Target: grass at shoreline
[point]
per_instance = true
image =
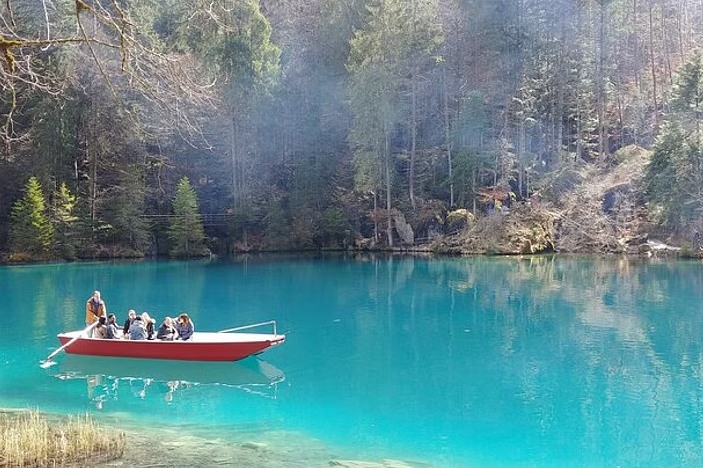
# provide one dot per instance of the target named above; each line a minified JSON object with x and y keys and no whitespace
{"x":28,"y":438}
{"x":34,"y":439}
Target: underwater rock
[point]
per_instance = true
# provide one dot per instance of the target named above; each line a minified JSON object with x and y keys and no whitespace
{"x":381,"y":464}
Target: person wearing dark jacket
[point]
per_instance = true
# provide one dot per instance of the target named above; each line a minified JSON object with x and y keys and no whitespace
{"x":184,"y":327}
{"x":111,"y":328}
{"x":166,"y":330}
{"x":131,"y":315}
{"x":137,"y":331}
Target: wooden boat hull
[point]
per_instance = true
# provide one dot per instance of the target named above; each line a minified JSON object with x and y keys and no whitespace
{"x":204,"y":346}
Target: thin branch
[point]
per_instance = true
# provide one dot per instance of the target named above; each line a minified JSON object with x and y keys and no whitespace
{"x":92,"y":52}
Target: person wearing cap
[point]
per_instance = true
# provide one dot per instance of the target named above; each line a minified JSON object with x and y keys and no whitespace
{"x":94,"y":309}
{"x":137,"y":330}
{"x":111,"y":332}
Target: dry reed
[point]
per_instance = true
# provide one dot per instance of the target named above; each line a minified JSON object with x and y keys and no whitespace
{"x":28,"y":439}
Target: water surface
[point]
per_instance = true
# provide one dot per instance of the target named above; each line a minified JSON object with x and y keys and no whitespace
{"x":453,"y":362}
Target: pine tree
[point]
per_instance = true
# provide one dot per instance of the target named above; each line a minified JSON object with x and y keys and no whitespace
{"x":688,"y":89}
{"x":186,"y":231}
{"x":675,"y":172}
{"x":375,"y":91}
{"x":64,"y":220}
{"x":662,"y":182}
{"x":126,"y":209}
{"x":31,"y":233}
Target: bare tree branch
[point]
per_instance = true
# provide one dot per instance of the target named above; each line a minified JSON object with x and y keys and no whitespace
{"x":128,"y":57}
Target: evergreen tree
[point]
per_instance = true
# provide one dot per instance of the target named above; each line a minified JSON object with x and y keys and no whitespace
{"x":186,"y":230}
{"x":687,"y":92}
{"x":662,"y":182}
{"x":64,"y":220}
{"x":375,"y":92}
{"x":31,"y":233}
{"x":675,"y":173}
{"x":125,"y":212}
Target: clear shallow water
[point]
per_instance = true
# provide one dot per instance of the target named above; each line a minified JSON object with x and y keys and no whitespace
{"x":455,"y":362}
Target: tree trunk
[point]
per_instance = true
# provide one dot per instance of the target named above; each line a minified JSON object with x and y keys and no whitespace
{"x":375,"y":218}
{"x":665,"y":48}
{"x":600,"y":79}
{"x":448,"y":137}
{"x":474,"y":178}
{"x":233,"y":140}
{"x":92,"y":156}
{"x":654,"y":71}
{"x":413,"y":142}
{"x":413,"y":116}
{"x":521,"y":156}
{"x":387,"y":158}
{"x":636,"y":47}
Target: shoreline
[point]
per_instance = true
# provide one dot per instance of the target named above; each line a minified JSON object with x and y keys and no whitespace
{"x":180,"y":446}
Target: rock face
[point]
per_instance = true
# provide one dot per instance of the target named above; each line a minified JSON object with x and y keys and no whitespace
{"x":458,"y":220}
{"x":403,"y":228}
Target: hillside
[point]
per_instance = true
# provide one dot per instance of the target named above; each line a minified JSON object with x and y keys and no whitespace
{"x":581,"y":208}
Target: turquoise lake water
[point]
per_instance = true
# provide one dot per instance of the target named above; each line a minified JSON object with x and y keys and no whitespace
{"x":453,"y":362}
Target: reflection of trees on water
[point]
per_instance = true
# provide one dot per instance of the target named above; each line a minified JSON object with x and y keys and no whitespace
{"x":562,"y":342}
{"x":634,"y":328}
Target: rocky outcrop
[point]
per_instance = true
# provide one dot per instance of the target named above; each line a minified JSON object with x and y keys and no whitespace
{"x":403,"y":228}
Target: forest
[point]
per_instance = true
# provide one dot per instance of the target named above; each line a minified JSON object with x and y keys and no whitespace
{"x":187,"y":127}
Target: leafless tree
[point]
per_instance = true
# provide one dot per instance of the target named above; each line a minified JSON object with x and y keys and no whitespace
{"x":115,"y":40}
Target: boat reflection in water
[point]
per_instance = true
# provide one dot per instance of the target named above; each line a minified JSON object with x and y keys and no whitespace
{"x":105,"y":375}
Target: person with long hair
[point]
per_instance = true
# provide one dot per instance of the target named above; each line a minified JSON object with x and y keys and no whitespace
{"x":184,"y":327}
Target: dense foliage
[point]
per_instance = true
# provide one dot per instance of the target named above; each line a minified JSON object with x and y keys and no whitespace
{"x":331,"y":123}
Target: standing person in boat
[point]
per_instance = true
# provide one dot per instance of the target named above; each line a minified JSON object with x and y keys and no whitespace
{"x":100,"y":330}
{"x":166,"y":330}
{"x":148,"y":323}
{"x":184,"y":327}
{"x":137,"y":330}
{"x":131,"y":315}
{"x":94,"y":309}
{"x":111,"y":332}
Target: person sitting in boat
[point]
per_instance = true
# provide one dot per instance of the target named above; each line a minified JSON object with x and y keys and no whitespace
{"x":148,"y":323}
{"x":111,"y":332}
{"x":137,"y":331}
{"x":100,"y":330}
{"x":167,"y":331}
{"x":131,"y":315}
{"x":94,"y":308}
{"x":184,"y":327}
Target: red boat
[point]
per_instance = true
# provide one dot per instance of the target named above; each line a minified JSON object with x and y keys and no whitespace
{"x":203,"y":346}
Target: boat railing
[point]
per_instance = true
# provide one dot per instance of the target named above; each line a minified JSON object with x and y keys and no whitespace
{"x":255,"y":325}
